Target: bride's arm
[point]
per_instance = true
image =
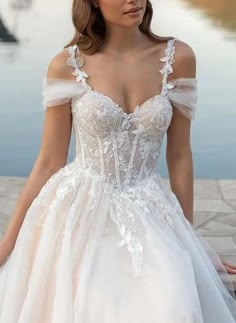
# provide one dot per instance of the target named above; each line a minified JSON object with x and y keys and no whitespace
{"x":178,"y":152}
{"x":51,"y":157}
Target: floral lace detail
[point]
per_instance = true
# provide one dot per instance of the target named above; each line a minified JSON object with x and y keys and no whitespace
{"x":168,"y":69}
{"x":120,"y":149}
{"x":76,"y":63}
{"x":127,"y":229}
{"x":81,"y":76}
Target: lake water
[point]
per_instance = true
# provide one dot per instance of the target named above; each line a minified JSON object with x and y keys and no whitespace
{"x":44,"y":27}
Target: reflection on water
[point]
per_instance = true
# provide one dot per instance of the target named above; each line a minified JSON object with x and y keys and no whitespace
{"x":5,"y":34}
{"x":221,"y":12}
{"x":42,"y":29}
{"x":9,"y":27}
{"x":21,"y":4}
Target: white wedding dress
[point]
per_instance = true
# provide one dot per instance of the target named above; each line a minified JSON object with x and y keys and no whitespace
{"x":105,"y":240}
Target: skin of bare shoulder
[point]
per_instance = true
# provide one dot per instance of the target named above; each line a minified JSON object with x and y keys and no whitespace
{"x":58,"y":119}
{"x":185,"y":61}
{"x":58,"y":67}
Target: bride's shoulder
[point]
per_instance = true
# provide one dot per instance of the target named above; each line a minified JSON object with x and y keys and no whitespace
{"x":58,"y":66}
{"x":183,"y":49}
{"x":185,"y":59}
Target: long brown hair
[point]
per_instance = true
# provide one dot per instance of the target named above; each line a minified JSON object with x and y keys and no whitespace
{"x":90,"y":26}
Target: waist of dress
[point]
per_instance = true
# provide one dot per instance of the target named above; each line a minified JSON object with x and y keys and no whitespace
{"x":116,"y":179}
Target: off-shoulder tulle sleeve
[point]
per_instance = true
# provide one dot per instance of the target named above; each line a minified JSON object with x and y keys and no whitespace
{"x":59,"y":91}
{"x":182,"y":93}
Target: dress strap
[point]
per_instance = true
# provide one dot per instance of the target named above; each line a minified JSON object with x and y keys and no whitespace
{"x":168,"y":59}
{"x":76,"y":61}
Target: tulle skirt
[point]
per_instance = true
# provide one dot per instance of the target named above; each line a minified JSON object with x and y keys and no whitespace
{"x":89,"y":253}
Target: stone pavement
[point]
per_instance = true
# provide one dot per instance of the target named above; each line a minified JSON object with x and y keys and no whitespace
{"x":214,"y":212}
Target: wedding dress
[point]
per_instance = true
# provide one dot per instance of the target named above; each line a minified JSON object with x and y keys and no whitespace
{"x":106,"y":240}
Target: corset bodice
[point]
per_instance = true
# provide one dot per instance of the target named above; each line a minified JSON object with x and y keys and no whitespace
{"x":122,"y":148}
{"x":119,"y":147}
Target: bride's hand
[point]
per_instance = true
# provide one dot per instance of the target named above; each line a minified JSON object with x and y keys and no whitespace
{"x":230,"y":268}
{"x":5,"y":250}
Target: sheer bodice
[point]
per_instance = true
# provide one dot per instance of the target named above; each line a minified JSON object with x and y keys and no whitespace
{"x":122,"y":148}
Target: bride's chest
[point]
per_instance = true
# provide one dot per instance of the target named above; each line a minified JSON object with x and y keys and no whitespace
{"x":97,"y":114}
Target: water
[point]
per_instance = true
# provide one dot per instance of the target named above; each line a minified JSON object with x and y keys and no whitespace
{"x":45,"y":27}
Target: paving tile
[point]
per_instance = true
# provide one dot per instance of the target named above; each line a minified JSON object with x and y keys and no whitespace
{"x":228,"y":189}
{"x":230,"y":259}
{"x":218,"y":229}
{"x":229,"y":281}
{"x":206,"y":189}
{"x":8,"y":205}
{"x":201,"y":217}
{"x":11,"y":182}
{"x":231,"y":203}
{"x":213,"y":206}
{"x":222,"y":245}
{"x":229,"y":219}
{"x":4,"y":220}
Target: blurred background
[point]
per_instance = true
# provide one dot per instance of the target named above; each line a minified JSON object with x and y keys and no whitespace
{"x":33,"y":31}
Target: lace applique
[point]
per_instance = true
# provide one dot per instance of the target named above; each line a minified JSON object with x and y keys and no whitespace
{"x":168,"y":59}
{"x":182,"y":92}
{"x":119,"y":149}
{"x":67,"y":187}
{"x":67,"y":182}
{"x":127,"y":228}
{"x":76,"y":63}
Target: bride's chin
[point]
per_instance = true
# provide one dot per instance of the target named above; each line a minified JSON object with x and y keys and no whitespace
{"x":134,"y":22}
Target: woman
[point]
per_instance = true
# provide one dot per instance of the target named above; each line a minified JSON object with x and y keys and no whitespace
{"x":102,"y":239}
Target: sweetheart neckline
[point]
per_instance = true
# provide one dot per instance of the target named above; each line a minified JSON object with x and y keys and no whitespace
{"x":83,"y":75}
{"x":119,"y":108}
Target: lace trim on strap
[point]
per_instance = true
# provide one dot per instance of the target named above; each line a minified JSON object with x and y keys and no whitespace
{"x":76,"y":63}
{"x":56,"y":91}
{"x":182,"y":92}
{"x":168,"y":59}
